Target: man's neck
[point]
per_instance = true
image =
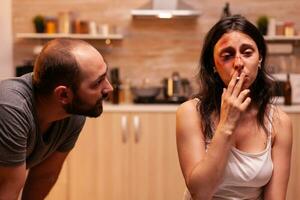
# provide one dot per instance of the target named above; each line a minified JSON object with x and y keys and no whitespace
{"x":48,"y":111}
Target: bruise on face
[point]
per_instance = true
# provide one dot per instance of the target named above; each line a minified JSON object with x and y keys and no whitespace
{"x":232,"y":48}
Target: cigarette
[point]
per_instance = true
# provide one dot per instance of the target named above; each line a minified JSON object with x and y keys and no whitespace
{"x":237,"y":78}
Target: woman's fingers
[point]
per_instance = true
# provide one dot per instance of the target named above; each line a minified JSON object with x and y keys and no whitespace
{"x":234,"y":96}
{"x":242,"y":96}
{"x":240,"y":102}
{"x":234,"y":100}
{"x":232,"y":82}
{"x":245,"y":104}
{"x":239,"y":83}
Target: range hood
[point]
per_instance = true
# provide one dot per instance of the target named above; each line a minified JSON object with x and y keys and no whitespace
{"x":165,"y":9}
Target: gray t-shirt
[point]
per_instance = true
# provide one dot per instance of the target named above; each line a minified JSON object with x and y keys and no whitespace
{"x":20,"y":140}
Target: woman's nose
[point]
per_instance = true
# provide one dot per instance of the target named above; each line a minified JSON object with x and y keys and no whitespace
{"x":238,"y":63}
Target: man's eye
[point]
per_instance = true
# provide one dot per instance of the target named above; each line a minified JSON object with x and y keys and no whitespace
{"x":99,"y":81}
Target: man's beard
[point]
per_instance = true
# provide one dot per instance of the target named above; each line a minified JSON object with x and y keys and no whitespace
{"x":79,"y":107}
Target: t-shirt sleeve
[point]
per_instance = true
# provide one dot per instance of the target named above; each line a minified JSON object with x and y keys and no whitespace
{"x":75,"y":126}
{"x":14,"y":128}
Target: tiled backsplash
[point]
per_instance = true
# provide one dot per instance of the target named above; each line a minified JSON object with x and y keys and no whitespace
{"x":153,"y":49}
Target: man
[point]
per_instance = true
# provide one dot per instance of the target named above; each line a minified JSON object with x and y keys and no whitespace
{"x":42,"y":114}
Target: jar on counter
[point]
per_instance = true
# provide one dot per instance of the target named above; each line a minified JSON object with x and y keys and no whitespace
{"x":64,"y":22}
{"x":289,"y":28}
{"x":92,"y":28}
{"x":279,"y":28}
{"x":51,"y":25}
{"x":125,"y":93}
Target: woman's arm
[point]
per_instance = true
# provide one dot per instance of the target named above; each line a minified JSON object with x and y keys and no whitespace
{"x":281,"y":156}
{"x":203,"y":169}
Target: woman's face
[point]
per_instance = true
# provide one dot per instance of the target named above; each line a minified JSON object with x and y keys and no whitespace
{"x":236,"y":52}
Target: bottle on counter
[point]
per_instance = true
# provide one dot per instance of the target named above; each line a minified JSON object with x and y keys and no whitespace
{"x":64,"y":21}
{"x":127,"y":92}
{"x":115,"y":94}
{"x":226,"y":10}
{"x":116,"y":83}
{"x":125,"y":96}
{"x":288,"y":91}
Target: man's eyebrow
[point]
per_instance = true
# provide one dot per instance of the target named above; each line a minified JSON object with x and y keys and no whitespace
{"x":102,"y":75}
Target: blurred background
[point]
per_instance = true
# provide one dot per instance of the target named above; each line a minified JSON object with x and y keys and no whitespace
{"x":148,"y":48}
{"x":152,"y":48}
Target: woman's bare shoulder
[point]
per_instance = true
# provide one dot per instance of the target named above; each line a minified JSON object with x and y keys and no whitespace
{"x":280,"y":116}
{"x":281,"y":122}
{"x":188,"y":118}
{"x":189,"y":106}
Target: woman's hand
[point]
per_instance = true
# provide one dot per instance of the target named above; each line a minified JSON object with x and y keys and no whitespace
{"x":234,"y":102}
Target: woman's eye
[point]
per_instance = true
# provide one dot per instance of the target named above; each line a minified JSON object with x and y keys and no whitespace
{"x":226,"y":56}
{"x":248,"y":53}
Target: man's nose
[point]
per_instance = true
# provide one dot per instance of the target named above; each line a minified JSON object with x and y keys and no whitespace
{"x":109,"y":86}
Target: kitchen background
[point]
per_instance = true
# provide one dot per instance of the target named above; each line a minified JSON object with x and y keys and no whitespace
{"x":154,"y":48}
{"x":129,"y":153}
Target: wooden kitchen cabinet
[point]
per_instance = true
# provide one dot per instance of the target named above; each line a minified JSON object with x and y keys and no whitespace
{"x":132,"y":156}
{"x":128,"y":156}
{"x":294,"y":182}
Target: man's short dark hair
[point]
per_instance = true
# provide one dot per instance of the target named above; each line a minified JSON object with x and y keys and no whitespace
{"x":56,"y":65}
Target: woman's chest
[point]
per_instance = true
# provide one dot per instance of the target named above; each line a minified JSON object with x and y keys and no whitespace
{"x":251,"y":138}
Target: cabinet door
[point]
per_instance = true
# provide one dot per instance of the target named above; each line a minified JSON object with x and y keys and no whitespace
{"x":155,"y":167}
{"x":294,"y":182}
{"x":98,"y":165}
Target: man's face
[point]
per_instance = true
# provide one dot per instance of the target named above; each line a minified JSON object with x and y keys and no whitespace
{"x":79,"y":106}
{"x":94,"y":86}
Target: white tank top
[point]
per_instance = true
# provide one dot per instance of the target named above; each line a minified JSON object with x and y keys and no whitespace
{"x":245,"y":174}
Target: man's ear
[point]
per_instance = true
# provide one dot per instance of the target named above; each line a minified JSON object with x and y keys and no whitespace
{"x":63,"y":94}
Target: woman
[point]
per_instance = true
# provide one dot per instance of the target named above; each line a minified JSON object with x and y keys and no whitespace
{"x":232,"y":142}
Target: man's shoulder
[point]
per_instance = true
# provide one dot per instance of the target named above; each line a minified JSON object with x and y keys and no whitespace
{"x":16,"y":92}
{"x":16,"y":81}
{"x":76,"y":121}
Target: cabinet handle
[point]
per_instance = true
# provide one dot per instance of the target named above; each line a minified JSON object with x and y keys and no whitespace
{"x":136,"y":125}
{"x":124,"y":128}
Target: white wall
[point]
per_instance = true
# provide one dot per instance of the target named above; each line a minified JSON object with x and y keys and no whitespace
{"x":6,"y":62}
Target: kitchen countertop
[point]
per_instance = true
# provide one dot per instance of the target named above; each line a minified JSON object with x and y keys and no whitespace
{"x":169,"y":108}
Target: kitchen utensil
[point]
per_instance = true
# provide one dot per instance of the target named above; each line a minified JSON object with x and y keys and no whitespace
{"x":145,"y":92}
